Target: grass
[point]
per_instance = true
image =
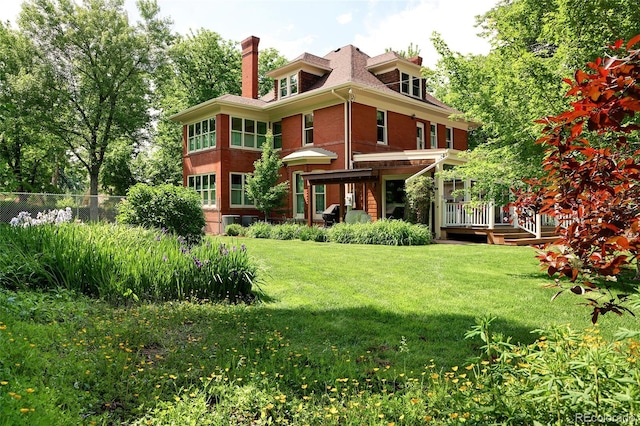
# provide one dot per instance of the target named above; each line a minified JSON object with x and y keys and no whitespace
{"x":347,"y":335}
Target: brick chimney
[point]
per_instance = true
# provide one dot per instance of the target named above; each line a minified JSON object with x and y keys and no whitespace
{"x":416,"y":60}
{"x":250,"y":67}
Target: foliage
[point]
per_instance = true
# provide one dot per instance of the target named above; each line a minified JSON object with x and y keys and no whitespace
{"x":312,"y":233}
{"x":234,"y":230}
{"x":357,"y":216}
{"x":167,"y":363}
{"x":262,"y":185}
{"x":96,"y":70}
{"x":117,"y":174}
{"x":534,"y":45}
{"x":173,"y":208}
{"x":420,"y":193}
{"x":259,"y":230}
{"x":120,"y":263}
{"x":269,"y":59}
{"x":382,"y":232}
{"x":592,"y":181}
{"x":32,"y":158}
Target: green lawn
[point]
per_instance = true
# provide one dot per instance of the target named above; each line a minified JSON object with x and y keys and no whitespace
{"x":342,"y":326}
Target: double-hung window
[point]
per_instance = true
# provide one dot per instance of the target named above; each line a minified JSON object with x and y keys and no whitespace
{"x":202,"y":135}
{"x":246,"y":133}
{"x":434,"y":136}
{"x":205,"y":186}
{"x":288,"y":85}
{"x":298,"y":196}
{"x":239,"y":196}
{"x":381,"y":118}
{"x":449,"y":138}
{"x":276,"y":129}
{"x":320,"y":200}
{"x":307,"y":129}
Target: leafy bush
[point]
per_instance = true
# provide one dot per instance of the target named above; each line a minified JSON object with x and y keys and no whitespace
{"x":173,"y":208}
{"x":382,"y":232}
{"x":259,"y":230}
{"x":115,"y":262}
{"x":286,"y":231}
{"x":234,"y":230}
{"x":313,"y":233}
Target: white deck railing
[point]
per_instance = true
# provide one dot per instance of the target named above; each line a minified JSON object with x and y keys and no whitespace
{"x":467,"y":214}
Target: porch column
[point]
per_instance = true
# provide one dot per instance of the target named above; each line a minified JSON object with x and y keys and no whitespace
{"x":311,"y":208}
{"x":341,"y":202}
{"x":439,"y":207}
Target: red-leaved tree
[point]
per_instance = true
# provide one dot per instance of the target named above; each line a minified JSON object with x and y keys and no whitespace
{"x":592,"y":182}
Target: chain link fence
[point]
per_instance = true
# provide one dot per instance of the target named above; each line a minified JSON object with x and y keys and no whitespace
{"x":12,"y":203}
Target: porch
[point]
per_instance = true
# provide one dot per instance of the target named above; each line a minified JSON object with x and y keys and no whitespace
{"x":486,"y":222}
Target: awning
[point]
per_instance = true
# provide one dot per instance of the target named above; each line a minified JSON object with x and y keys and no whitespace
{"x":310,"y":156}
{"x":340,"y":176}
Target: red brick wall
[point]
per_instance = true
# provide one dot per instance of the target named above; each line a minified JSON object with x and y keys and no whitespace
{"x":401,"y":131}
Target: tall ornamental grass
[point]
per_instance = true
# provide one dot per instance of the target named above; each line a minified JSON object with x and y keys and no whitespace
{"x":115,"y":262}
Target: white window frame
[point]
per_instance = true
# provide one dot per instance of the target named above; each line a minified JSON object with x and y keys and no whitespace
{"x":205,"y":193}
{"x":288,"y":86}
{"x":318,"y":212}
{"x":433,"y":136}
{"x":198,"y":139}
{"x":305,"y":129}
{"x":252,"y":140}
{"x":245,"y":202}
{"x":297,"y":214}
{"x":407,"y":85}
{"x":421,"y":140}
{"x":449,"y":137}
{"x":382,"y":127}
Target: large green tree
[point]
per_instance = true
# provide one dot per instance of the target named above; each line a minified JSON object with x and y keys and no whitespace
{"x":30,"y":157}
{"x":535,"y":44}
{"x":96,"y":70}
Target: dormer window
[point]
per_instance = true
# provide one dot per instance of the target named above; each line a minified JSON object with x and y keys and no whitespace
{"x":288,"y":85}
{"x":411,"y":85}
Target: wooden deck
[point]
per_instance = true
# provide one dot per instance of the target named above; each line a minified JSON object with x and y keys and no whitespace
{"x":501,"y":234}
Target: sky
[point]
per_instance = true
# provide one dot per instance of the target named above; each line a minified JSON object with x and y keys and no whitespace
{"x":294,"y":27}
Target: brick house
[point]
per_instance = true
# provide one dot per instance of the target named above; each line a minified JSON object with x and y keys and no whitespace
{"x":350,"y":129}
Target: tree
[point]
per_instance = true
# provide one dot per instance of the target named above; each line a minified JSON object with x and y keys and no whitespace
{"x":592,"y":180}
{"x":25,"y":149}
{"x":420,"y":192}
{"x":535,"y":44}
{"x":268,"y":59}
{"x":97,"y":70}
{"x":262,"y":184}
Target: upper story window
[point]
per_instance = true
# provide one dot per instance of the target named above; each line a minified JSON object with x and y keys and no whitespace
{"x":205,"y":186}
{"x":307,"y":129}
{"x":449,"y":138}
{"x":247,"y":133}
{"x":202,"y":135}
{"x":434,"y":136}
{"x":277,"y":134}
{"x":411,"y":85}
{"x":381,"y":118}
{"x":288,"y":85}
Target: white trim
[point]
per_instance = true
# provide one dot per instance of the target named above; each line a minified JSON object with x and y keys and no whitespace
{"x":244,"y":133}
{"x":212,"y":192}
{"x":421,"y":141}
{"x":244,"y":193}
{"x":449,"y":141}
{"x":295,"y":194}
{"x":304,"y":128}
{"x":433,"y":135}
{"x":385,"y":140}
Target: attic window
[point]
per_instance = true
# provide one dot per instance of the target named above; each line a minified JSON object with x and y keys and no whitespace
{"x":288,"y":85}
{"x":411,"y":85}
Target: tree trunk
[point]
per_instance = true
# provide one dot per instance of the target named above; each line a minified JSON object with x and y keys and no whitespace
{"x":93,"y":195}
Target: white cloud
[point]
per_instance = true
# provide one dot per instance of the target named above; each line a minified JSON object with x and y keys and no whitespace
{"x":345,"y":18}
{"x":453,"y":19}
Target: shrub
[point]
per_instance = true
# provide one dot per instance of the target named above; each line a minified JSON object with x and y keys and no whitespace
{"x":312,"y":233}
{"x":234,"y":230}
{"x":173,"y":208}
{"x":383,"y":232}
{"x":286,"y":231}
{"x":259,"y":230}
{"x":116,"y":263}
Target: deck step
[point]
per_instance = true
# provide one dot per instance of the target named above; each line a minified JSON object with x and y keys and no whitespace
{"x":531,"y":241}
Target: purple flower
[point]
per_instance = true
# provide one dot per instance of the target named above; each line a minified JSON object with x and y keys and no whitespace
{"x":243,"y":248}
{"x":164,"y":258}
{"x":197,"y":262}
